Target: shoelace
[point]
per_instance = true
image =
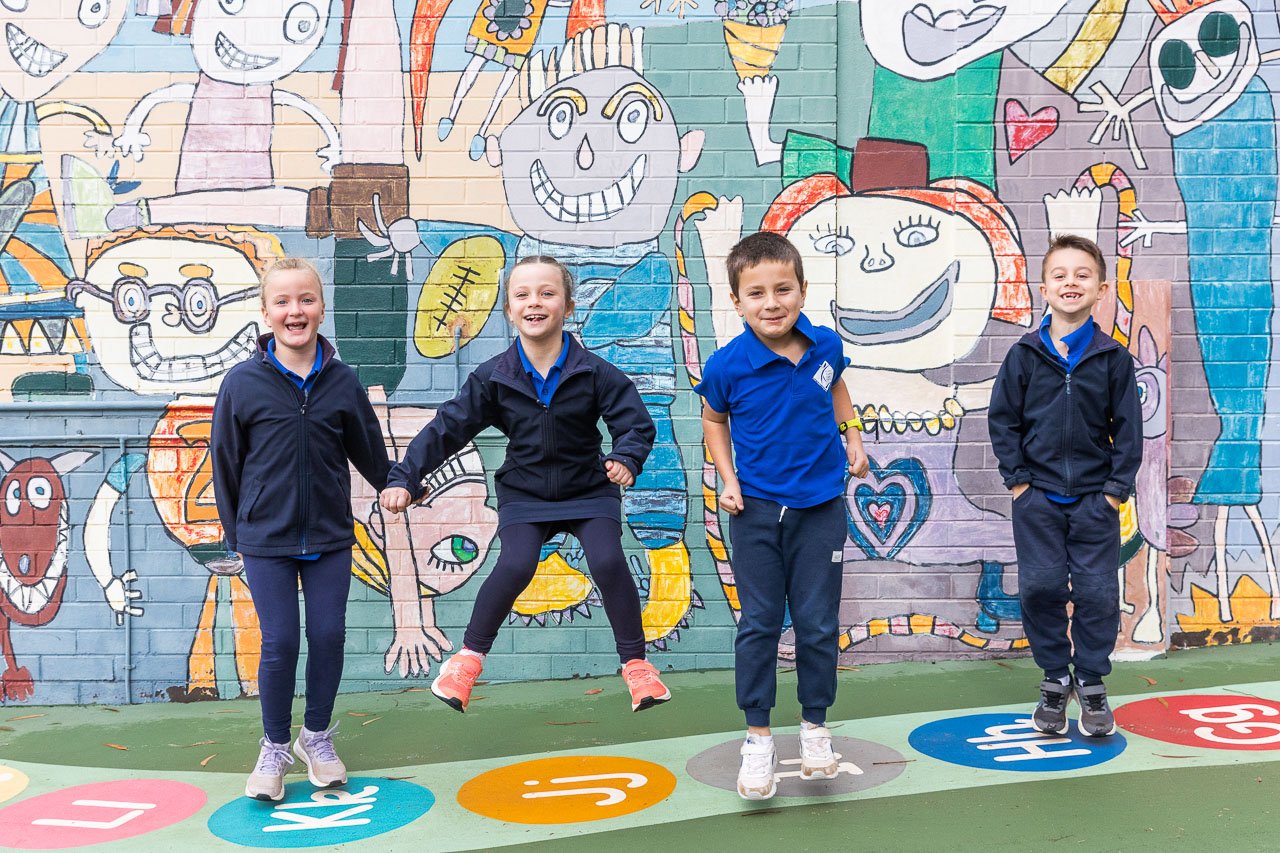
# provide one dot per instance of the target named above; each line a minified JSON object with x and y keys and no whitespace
{"x":816,"y":747}
{"x":641,"y":676}
{"x":464,"y":674}
{"x":758,"y":763}
{"x":1096,"y":703}
{"x":273,"y":759}
{"x":321,"y":744}
{"x":1053,"y":700}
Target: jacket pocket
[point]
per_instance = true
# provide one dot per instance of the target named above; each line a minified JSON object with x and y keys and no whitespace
{"x":249,"y":499}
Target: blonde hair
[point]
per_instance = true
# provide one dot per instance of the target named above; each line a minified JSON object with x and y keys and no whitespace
{"x":284,"y":264}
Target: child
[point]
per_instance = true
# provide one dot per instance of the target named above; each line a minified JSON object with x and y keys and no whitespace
{"x":547,"y":394}
{"x":1066,"y":427}
{"x":284,"y":425}
{"x":779,"y":381}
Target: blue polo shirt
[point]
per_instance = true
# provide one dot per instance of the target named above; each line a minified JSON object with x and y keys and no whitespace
{"x":545,"y":387}
{"x":786,"y":443}
{"x":304,"y":384}
{"x":1077,"y":342}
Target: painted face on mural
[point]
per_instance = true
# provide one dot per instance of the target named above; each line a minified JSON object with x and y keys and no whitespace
{"x":1201,"y":63}
{"x":593,"y":161}
{"x":917,"y":283}
{"x":237,"y":41}
{"x":931,"y":39}
{"x":48,"y":40}
{"x":168,"y":315}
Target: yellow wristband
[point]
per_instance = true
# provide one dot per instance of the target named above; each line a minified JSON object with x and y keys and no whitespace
{"x":853,"y":423}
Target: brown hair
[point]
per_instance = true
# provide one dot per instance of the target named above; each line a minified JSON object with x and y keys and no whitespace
{"x":759,"y":248}
{"x":283,"y":264}
{"x":1075,"y":241}
{"x":566,"y":278}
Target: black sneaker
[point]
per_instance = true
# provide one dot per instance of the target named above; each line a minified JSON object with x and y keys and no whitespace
{"x":1096,"y":719}
{"x":1050,"y":715}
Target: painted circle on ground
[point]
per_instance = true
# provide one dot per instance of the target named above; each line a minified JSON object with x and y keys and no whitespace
{"x":1011,"y":742}
{"x":308,"y":817}
{"x":1212,"y":722}
{"x":12,"y":783}
{"x":863,"y":765}
{"x":97,"y":813}
{"x":567,"y":789}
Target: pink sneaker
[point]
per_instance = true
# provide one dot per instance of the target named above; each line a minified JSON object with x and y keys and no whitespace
{"x":458,"y":675}
{"x":646,"y":688}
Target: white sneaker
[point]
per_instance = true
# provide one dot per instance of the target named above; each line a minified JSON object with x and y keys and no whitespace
{"x":324,"y":768}
{"x":755,"y":776}
{"x":817,"y":761}
{"x":266,"y":782}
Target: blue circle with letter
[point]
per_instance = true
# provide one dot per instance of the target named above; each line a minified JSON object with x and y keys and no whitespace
{"x":1011,"y":742}
{"x":322,"y":817}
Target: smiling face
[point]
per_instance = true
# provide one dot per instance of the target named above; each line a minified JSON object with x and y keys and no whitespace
{"x":931,"y":39}
{"x":1072,"y":284}
{"x":917,"y":283}
{"x":537,"y":302}
{"x":293,"y":308}
{"x":769,"y":299}
{"x":1202,"y":62}
{"x":33,"y":540}
{"x":169,"y":315}
{"x":238,"y":41}
{"x":46,"y":41}
{"x":593,"y":161}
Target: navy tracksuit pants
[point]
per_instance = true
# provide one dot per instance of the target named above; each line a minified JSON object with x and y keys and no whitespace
{"x":784,"y":556}
{"x":1068,"y":552}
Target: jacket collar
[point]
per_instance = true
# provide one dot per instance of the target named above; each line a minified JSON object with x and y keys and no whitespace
{"x":327,"y":351}
{"x":759,"y":355}
{"x":1101,"y":342}
{"x":510,"y":369}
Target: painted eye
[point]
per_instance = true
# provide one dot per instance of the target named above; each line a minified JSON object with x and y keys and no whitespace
{"x":920,"y":234}
{"x":39,"y":492}
{"x":13,"y":497}
{"x":560,"y":119}
{"x":633,"y":120}
{"x":14,"y":5}
{"x":1219,"y":35}
{"x":94,"y":13}
{"x":455,"y":552}
{"x":301,"y":23}
{"x":131,"y":302}
{"x":834,"y":244}
{"x":1177,"y":64}
{"x":231,"y":7}
{"x":199,"y":304}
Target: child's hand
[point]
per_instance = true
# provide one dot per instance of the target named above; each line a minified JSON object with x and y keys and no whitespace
{"x":859,"y":465}
{"x":1113,"y":500}
{"x":395,"y":499}
{"x":731,"y":500}
{"x":1019,"y":489}
{"x":618,"y":473}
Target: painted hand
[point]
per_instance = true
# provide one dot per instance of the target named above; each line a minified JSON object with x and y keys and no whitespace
{"x":330,"y":156}
{"x":412,"y":650}
{"x":1117,"y":117}
{"x":132,"y":143}
{"x":101,"y":144}
{"x":119,"y":592}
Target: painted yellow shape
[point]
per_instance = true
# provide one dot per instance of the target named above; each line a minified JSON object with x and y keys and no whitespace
{"x":1128,"y":520}
{"x":12,"y":783}
{"x":1088,"y":47}
{"x":555,"y":586}
{"x":459,"y":294}
{"x":670,"y":586}
{"x":876,"y":627}
{"x":1250,"y":608}
{"x":921,"y":623}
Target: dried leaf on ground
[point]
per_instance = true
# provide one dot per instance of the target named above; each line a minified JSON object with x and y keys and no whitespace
{"x":117,"y":746}
{"x":1151,"y":681}
{"x":205,"y":763}
{"x":571,"y":722}
{"x":358,"y":714}
{"x":593,"y":691}
{"x":371,"y":720}
{"x":27,"y":717}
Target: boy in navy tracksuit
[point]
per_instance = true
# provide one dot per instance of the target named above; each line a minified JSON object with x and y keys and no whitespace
{"x":774,"y":399}
{"x":285,"y":424}
{"x":1066,"y":428}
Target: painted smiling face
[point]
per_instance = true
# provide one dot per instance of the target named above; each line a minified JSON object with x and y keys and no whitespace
{"x":1201,"y":63}
{"x":238,"y":41}
{"x":593,"y":161}
{"x":929,"y":40}
{"x":917,"y":282}
{"x":170,"y":315}
{"x":46,"y":41}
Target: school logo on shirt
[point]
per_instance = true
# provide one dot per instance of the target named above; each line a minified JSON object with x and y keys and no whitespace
{"x":825,"y":376}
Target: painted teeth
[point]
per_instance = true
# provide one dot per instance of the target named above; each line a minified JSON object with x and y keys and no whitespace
{"x":588,"y":207}
{"x":236,"y":59}
{"x":33,"y":598}
{"x":33,"y":57}
{"x":154,"y":367}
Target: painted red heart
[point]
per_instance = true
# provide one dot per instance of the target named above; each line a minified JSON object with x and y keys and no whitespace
{"x":880,"y":511}
{"x":1024,"y":131}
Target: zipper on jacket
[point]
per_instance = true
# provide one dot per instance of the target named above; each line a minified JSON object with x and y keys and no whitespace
{"x":1066,"y":445}
{"x":305,"y":502}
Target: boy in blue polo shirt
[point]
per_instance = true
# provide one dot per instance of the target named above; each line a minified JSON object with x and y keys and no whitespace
{"x":779,"y":382}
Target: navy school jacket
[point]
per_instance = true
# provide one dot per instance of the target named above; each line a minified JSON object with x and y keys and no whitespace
{"x":1069,"y":433}
{"x":554,"y":452}
{"x":280,"y":475}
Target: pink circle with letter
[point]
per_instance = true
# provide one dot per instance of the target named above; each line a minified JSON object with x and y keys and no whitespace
{"x":97,"y":813}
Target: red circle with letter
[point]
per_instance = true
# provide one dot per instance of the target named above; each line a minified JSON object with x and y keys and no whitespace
{"x":97,"y":813}
{"x":1212,"y":722}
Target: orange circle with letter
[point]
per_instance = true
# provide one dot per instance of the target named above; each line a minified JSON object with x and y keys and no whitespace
{"x":567,"y":789}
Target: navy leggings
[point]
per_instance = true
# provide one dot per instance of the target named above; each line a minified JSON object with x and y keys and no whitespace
{"x":274,"y":584}
{"x":601,"y":540}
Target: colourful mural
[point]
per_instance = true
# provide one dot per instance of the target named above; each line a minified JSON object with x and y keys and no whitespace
{"x":158,"y":153}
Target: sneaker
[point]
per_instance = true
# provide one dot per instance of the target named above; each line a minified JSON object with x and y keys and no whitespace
{"x":755,"y":775}
{"x":817,"y":761}
{"x":1050,"y":715}
{"x":266,"y":782}
{"x":1096,"y":719}
{"x":324,"y":768}
{"x":646,"y":688}
{"x":458,"y":675}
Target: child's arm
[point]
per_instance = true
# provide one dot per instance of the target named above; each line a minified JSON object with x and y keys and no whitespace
{"x":227,"y":449}
{"x":629,"y":425}
{"x":1126,"y":431}
{"x":718,"y":439}
{"x":362,"y":439}
{"x":859,"y":465}
{"x":456,"y":423}
{"x":1005,"y":424}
